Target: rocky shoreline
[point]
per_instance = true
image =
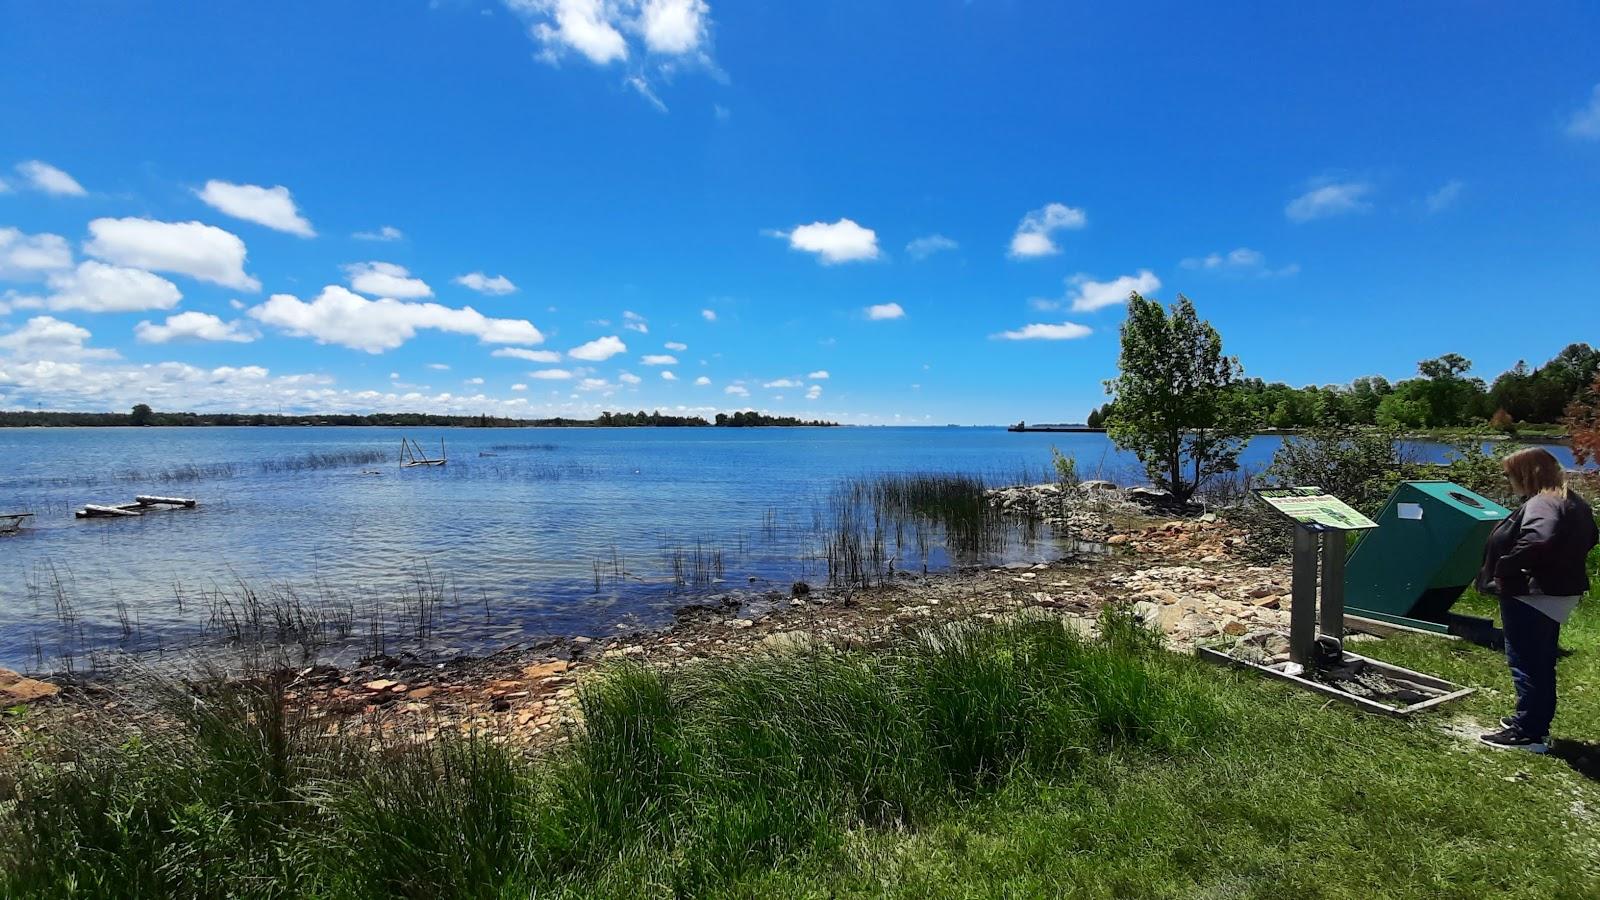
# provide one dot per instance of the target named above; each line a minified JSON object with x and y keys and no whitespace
{"x":1188,"y":578}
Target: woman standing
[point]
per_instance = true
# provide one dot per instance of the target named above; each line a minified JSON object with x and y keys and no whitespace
{"x":1534,"y":562}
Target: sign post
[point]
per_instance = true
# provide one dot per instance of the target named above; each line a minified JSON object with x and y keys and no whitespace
{"x":1321,"y":521}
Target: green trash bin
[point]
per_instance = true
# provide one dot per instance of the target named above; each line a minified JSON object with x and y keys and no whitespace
{"x":1425,"y":551}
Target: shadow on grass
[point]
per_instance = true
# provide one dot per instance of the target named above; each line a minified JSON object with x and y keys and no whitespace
{"x":1582,"y":756}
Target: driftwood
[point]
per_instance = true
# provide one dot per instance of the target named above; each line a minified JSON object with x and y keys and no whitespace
{"x":147,"y":500}
{"x":95,"y":511}
{"x":137,"y":508}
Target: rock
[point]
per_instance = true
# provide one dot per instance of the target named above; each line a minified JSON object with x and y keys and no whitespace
{"x":1209,"y":518}
{"x":382,"y":684}
{"x":15,"y":689}
{"x":741,"y":623}
{"x":1270,"y":601}
{"x":545,"y":670}
{"x":1119,"y":539}
{"x":423,"y":693}
{"x":1262,"y":590}
{"x":1234,"y":628}
{"x":1097,"y":486}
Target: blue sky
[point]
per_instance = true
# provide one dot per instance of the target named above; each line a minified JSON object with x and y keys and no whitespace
{"x":871,"y":212}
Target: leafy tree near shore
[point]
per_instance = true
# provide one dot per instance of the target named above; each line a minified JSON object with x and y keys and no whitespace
{"x":1174,"y":404}
{"x":1583,"y":423}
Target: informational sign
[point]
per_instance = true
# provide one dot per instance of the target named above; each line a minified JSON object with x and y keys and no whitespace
{"x":1315,"y":508}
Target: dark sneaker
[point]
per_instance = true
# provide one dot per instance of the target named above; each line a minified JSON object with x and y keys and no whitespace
{"x":1508,"y":722}
{"x":1513,"y":739}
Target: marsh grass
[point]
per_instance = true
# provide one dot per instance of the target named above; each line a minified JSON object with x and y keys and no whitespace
{"x":678,"y":780}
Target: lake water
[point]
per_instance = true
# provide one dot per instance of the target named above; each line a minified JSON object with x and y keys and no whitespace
{"x":525,"y":534}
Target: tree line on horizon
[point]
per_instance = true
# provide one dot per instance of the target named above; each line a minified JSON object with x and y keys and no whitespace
{"x":143,"y":415}
{"x":1442,"y":395}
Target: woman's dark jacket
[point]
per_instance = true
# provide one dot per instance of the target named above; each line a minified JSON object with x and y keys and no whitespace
{"x":1541,"y":548}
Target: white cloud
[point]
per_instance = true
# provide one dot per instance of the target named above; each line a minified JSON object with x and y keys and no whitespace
{"x":192,"y":326}
{"x":676,"y":346}
{"x":702,"y":381}
{"x":635,"y":322}
{"x":1088,"y":295}
{"x":385,"y":233}
{"x":46,"y":337}
{"x":710,"y":315}
{"x":594,"y":384}
{"x":819,"y":375}
{"x":519,"y":387}
{"x":736,"y":390}
{"x":41,"y":176}
{"x":674,"y":26}
{"x":269,"y":206}
{"x":200,"y":251}
{"x":659,"y":359}
{"x":629,"y":378}
{"x":1445,"y":197}
{"x":599,"y":349}
{"x":1241,"y":260}
{"x":883,"y":311}
{"x":338,"y":316}
{"x":538,"y":356}
{"x":783,"y":383}
{"x":97,"y":287}
{"x":814,"y":392}
{"x":497,"y":286}
{"x":1329,"y":198}
{"x":551,"y":374}
{"x":439,"y":367}
{"x":29,"y":256}
{"x":1033,"y":235}
{"x":924,"y":247}
{"x":581,"y":25}
{"x":1585,"y":123}
{"x":1064,"y":331}
{"x":833,"y":242}
{"x":473,"y":381}
{"x":382,"y":279}
{"x":668,"y":376}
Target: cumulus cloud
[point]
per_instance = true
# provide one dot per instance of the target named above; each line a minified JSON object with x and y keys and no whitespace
{"x":192,"y":326}
{"x":385,"y":233}
{"x":269,"y":206}
{"x":339,"y":316}
{"x":382,"y":279}
{"x":600,"y":30}
{"x":1064,"y":331}
{"x":710,"y":315}
{"x":635,"y":322}
{"x":668,"y":376}
{"x":883,"y":311}
{"x":659,"y":359}
{"x":1585,"y":122}
{"x":783,"y":383}
{"x":702,"y":381}
{"x":25,"y":257}
{"x":46,"y":337}
{"x":1241,"y":260}
{"x":497,"y":286}
{"x":41,"y":176}
{"x":736,"y":390}
{"x":924,"y":247}
{"x":1084,"y":294}
{"x":676,"y":346}
{"x":819,"y":375}
{"x":1034,"y":234}
{"x":97,"y":287}
{"x":519,"y":387}
{"x":538,"y":356}
{"x":200,"y":251}
{"x":1328,"y":198}
{"x":814,"y":392}
{"x":599,"y":349}
{"x":630,"y":378}
{"x":833,"y":242}
{"x":551,"y":374}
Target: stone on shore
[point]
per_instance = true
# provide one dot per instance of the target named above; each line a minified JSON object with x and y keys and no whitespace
{"x":16,"y":689}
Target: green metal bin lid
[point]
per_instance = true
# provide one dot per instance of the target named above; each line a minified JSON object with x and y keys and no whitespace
{"x":1462,"y":500}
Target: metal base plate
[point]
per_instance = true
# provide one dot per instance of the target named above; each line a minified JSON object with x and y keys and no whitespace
{"x":1444,"y":690}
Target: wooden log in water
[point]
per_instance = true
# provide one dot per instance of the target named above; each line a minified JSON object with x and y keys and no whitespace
{"x":146,"y":500}
{"x":92,"y":510}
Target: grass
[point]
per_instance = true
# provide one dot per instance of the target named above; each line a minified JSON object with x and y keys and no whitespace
{"x":1012,"y":759}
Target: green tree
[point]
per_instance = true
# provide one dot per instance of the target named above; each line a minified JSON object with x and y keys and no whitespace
{"x":142,"y":415}
{"x":1174,"y":406}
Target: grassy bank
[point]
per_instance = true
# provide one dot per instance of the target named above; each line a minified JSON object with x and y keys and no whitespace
{"x":997,"y":760}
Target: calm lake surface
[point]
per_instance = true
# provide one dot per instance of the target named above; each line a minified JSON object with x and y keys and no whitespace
{"x":525,"y":534}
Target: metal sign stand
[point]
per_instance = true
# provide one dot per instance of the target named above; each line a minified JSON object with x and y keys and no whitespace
{"x":1317,"y":653}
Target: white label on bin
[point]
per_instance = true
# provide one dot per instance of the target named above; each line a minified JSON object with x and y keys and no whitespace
{"x":1411,"y":511}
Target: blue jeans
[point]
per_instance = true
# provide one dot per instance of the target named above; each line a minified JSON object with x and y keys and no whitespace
{"x":1531,"y":641}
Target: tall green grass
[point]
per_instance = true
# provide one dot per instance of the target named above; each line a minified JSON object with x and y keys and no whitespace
{"x":678,"y":781}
